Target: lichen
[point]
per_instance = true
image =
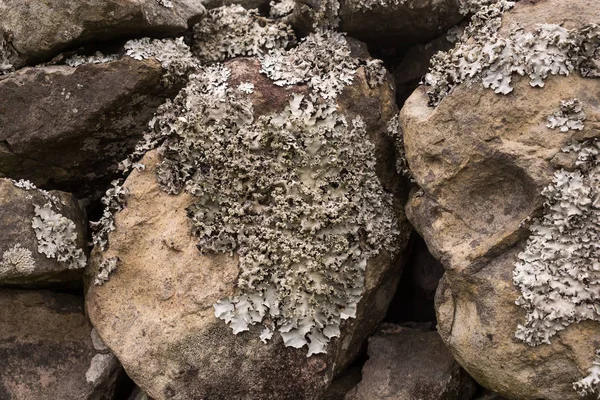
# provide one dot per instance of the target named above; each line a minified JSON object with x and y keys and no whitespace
{"x":591,"y":383}
{"x":366,"y":5}
{"x":232,"y":31}
{"x":473,"y":6}
{"x":6,"y":53}
{"x":375,"y":72}
{"x":106,"y":268}
{"x":281,"y":8}
{"x":96,"y":58}
{"x":27,"y":185}
{"x":558,"y":273}
{"x":57,"y":237}
{"x":394,"y":130}
{"x":173,"y":54}
{"x":569,"y":116}
{"x":294,"y":193}
{"x":113,"y":201}
{"x":17,"y":260}
{"x":165,"y":3}
{"x":246,"y":87}
{"x":484,"y":56}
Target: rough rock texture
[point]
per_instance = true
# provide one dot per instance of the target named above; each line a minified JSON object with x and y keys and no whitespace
{"x":177,"y":349}
{"x":407,"y":364}
{"x":60,"y":25}
{"x":47,"y":349}
{"x":482,"y":161}
{"x":401,"y":22}
{"x":247,"y":4}
{"x":21,"y":262}
{"x":67,"y":128}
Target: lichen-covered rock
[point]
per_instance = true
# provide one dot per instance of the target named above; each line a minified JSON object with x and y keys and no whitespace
{"x":393,"y":23}
{"x":68,"y":127}
{"x":34,"y":33}
{"x":274,"y":266}
{"x":43,"y":236}
{"x":49,"y":350}
{"x":406,"y":364}
{"x":507,"y":204}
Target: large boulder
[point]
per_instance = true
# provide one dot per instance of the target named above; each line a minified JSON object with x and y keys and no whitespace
{"x":49,"y":350}
{"x":60,"y":25}
{"x":486,"y":163}
{"x":406,"y":364}
{"x":67,"y":127}
{"x":43,"y":236}
{"x":158,"y":308}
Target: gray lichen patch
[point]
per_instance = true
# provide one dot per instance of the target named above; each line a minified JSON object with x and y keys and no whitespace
{"x":591,"y":383}
{"x":113,"y":201}
{"x":57,"y":237}
{"x":558,"y":273}
{"x":365,"y":5}
{"x":5,"y":55}
{"x":484,"y":56}
{"x":106,"y":268}
{"x":570,"y":116}
{"x":394,"y":130}
{"x":233,"y":31}
{"x":281,"y":8}
{"x":17,"y":261}
{"x":173,"y":54}
{"x":96,"y":58}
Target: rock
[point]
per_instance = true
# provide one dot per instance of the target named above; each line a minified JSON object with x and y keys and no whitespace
{"x":482,"y":160}
{"x":59,"y":25}
{"x":406,"y":364}
{"x":400,"y":23}
{"x":261,"y":5}
{"x":138,"y":394}
{"x":67,"y":128}
{"x":29,"y":252}
{"x":177,"y":348}
{"x":47,"y":352}
{"x":344,"y":383}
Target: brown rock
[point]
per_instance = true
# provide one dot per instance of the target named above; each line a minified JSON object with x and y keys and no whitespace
{"x":407,"y":364}
{"x":47,"y":350}
{"x":482,"y":160}
{"x":156,"y":311}
{"x":67,"y":128}
{"x":17,"y":210}
{"x":39,"y":31}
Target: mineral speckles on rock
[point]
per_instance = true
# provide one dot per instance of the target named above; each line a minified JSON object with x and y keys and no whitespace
{"x":559,"y":270}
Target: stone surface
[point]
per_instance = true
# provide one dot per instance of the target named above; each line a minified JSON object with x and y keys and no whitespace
{"x":60,"y":25}
{"x":481,"y":161}
{"x":407,"y":364}
{"x":67,"y":128}
{"x":47,"y":351}
{"x":17,"y":211}
{"x":177,"y":349}
{"x":395,"y":22}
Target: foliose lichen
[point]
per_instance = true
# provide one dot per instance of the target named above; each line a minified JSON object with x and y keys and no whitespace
{"x":281,"y":8}
{"x":484,"y":56}
{"x":106,"y":268}
{"x":569,"y":116}
{"x":173,"y":54}
{"x":165,"y":3}
{"x":558,"y":273}
{"x":114,"y":201}
{"x":394,"y":130}
{"x":591,"y":383}
{"x":96,"y":58}
{"x":233,"y":31}
{"x":5,"y":55}
{"x":57,"y":237}
{"x":365,"y":5}
{"x":17,"y":260}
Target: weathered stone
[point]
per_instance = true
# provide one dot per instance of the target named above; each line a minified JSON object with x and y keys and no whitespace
{"x":398,"y":23}
{"x":37,"y":32}
{"x":177,"y":349}
{"x":67,"y":128}
{"x":21,"y":262}
{"x":406,"y":364}
{"x":47,"y":352}
{"x":482,"y":161}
